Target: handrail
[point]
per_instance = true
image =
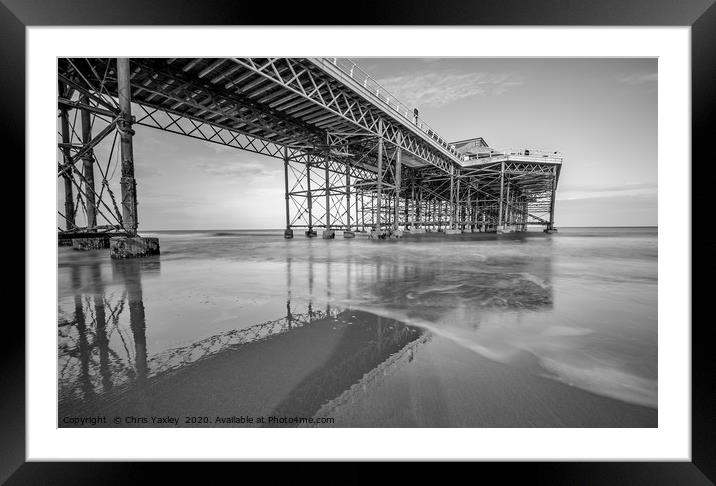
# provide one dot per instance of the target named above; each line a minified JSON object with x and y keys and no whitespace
{"x":533,"y":155}
{"x":349,"y":68}
{"x":355,"y":72}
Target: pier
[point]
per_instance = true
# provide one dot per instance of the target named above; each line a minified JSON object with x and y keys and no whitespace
{"x":355,"y":158}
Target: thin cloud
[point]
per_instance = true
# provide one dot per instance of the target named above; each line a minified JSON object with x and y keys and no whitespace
{"x":612,"y":191}
{"x":249,"y":168}
{"x":172,"y":201}
{"x":638,"y":79}
{"x":440,"y":89}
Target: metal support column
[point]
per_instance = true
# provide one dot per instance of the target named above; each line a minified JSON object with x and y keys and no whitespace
{"x":469,"y":210}
{"x":362,"y":210}
{"x":288,"y":232}
{"x":128,"y":183}
{"x":413,"y":203}
{"x":389,"y":211}
{"x":88,"y":165}
{"x":551,"y":201}
{"x":355,"y":208}
{"x":328,"y":191}
{"x":285,"y":185}
{"x":67,"y":175}
{"x":379,"y":218}
{"x":508,"y":208}
{"x":458,"y":206}
{"x":309,"y":196}
{"x":452,"y":197}
{"x":502,"y":189}
{"x":398,"y":171}
{"x":406,"y":211}
{"x":476,"y":213}
{"x":419,"y":208}
{"x":348,"y":197}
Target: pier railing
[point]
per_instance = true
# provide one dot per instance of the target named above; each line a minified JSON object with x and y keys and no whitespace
{"x":352,"y":70}
{"x":521,"y":155}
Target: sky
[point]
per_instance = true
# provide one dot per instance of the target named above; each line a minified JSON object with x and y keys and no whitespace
{"x":600,"y":113}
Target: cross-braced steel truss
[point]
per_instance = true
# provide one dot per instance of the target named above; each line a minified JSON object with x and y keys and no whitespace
{"x":354,"y":158}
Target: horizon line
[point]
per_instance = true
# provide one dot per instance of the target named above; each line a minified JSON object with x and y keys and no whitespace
{"x":281,"y":229}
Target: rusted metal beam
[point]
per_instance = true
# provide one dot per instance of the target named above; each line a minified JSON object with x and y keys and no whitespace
{"x":124,"y":125}
{"x":67,"y":172}
{"x":88,"y":165}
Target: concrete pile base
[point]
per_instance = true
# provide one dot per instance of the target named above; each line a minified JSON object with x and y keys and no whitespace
{"x":328,"y":234}
{"x":288,"y":234}
{"x":311,"y":233}
{"x":396,"y":234}
{"x":133,"y":247}
{"x":85,"y":244}
{"x":349,"y":234}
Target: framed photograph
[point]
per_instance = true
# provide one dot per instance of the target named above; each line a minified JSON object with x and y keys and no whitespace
{"x":437,"y":233}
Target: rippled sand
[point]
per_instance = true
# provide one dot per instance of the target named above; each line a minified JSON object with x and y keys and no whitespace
{"x":463,"y":331}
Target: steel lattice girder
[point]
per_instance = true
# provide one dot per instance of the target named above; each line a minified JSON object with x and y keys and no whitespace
{"x":308,"y":81}
{"x":253,"y":101}
{"x":91,"y":201}
{"x":294,"y":108}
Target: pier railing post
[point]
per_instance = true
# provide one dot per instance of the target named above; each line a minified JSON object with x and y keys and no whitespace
{"x":128,"y":183}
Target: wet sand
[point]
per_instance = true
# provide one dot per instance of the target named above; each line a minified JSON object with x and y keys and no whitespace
{"x":500,"y":332}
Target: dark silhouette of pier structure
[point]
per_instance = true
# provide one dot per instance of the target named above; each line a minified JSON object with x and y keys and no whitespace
{"x":354,"y":157}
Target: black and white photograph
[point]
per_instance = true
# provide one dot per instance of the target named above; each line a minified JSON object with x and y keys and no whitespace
{"x":416,"y":232}
{"x":357,"y":242}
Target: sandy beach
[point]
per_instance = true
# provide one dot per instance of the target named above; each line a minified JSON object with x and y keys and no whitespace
{"x":473,"y":331}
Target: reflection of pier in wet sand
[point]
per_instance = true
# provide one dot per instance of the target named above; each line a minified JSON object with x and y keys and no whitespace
{"x":302,"y":364}
{"x":286,"y":367}
{"x":355,"y":350}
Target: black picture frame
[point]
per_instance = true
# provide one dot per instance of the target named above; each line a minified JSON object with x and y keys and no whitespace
{"x":700,"y":15}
